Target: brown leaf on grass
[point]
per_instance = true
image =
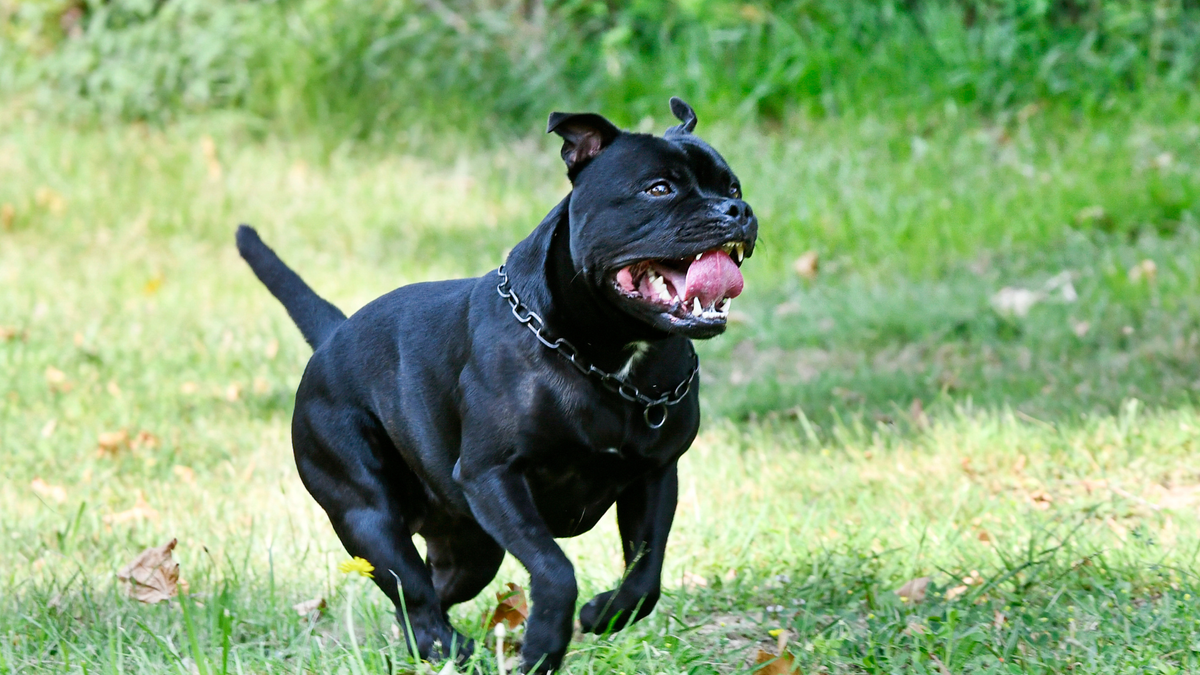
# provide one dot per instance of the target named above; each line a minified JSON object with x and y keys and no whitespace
{"x":1041,"y":499}
{"x":57,"y":380}
{"x":112,"y":442}
{"x":693,"y":580}
{"x":140,"y":511}
{"x":47,"y":491}
{"x":774,"y":664}
{"x":778,"y":662}
{"x":146,"y":440}
{"x":511,"y":607}
{"x":8,"y":213}
{"x":9,"y":333}
{"x":953,"y":593}
{"x":153,"y":576}
{"x":808,"y":265}
{"x":914,"y":590}
{"x":309,"y":606}
{"x":185,"y":473}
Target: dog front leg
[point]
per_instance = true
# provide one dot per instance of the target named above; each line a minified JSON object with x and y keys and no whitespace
{"x":501,"y":502}
{"x":645,"y":511}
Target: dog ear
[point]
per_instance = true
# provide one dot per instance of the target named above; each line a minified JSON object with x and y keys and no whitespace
{"x":584,"y":136}
{"x":684,"y":112}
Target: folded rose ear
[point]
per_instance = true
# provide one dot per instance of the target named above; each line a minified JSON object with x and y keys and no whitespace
{"x":584,"y":136}
{"x":685,"y":114}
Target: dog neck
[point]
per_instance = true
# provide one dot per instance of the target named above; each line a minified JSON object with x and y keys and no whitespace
{"x":542,"y":272}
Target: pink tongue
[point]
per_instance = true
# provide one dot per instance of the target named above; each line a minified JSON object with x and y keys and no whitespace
{"x":713,"y":278}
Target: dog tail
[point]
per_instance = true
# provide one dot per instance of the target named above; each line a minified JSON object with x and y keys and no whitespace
{"x":314,"y":316}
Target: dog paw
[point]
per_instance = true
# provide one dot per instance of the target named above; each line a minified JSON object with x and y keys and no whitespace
{"x":612,"y":611}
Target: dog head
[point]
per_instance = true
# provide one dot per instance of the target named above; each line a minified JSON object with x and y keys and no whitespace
{"x":657,"y":223}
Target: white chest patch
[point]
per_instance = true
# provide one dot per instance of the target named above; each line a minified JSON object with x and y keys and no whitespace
{"x":638,"y":350}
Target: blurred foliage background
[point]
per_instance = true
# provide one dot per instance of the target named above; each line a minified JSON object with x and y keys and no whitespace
{"x":384,"y":68}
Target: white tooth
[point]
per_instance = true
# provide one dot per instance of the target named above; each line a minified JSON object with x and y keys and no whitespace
{"x":698,"y":255}
{"x":697,"y":310}
{"x":724,"y":307}
{"x":666,"y":297}
{"x":739,"y":249}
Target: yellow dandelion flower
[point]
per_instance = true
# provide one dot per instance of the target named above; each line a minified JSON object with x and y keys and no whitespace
{"x":359,"y":565}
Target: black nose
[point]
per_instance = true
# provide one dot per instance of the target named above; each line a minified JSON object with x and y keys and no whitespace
{"x":736,"y":208}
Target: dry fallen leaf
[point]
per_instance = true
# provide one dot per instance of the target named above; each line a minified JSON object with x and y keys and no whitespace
{"x":953,"y":593}
{"x":778,"y":662}
{"x":111,"y":442}
{"x":141,"y":510}
{"x":153,"y":576}
{"x":511,"y":607}
{"x":309,"y":606}
{"x":47,"y":491}
{"x":914,"y":590}
{"x":808,"y":265}
{"x":185,"y":473}
{"x":8,"y":214}
{"x":57,"y":380}
{"x":145,"y":439}
{"x":9,"y":333}
{"x":1041,"y":499}
{"x":693,"y":580}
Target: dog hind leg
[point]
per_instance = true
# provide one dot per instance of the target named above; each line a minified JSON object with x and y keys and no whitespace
{"x":369,"y":496}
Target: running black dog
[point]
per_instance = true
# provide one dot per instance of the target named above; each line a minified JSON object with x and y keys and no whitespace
{"x":497,"y":413}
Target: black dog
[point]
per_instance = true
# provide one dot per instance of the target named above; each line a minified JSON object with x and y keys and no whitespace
{"x":495,"y":414}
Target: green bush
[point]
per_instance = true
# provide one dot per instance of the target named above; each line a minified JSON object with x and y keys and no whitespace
{"x":378,"y":66}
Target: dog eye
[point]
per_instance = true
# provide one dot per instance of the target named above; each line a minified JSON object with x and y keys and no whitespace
{"x":660,"y":189}
{"x":735,"y":191}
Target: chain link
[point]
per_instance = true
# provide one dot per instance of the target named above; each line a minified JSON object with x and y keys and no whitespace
{"x":611,"y":381}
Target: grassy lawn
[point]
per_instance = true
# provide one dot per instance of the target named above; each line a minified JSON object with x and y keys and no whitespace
{"x":1047,"y":482}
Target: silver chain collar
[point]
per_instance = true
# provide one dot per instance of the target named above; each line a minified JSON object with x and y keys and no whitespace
{"x":611,"y":381}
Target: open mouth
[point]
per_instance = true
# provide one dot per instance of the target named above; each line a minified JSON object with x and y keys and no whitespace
{"x":699,"y":287}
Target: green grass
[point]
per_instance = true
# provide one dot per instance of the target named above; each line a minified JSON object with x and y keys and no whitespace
{"x":1059,"y":464}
